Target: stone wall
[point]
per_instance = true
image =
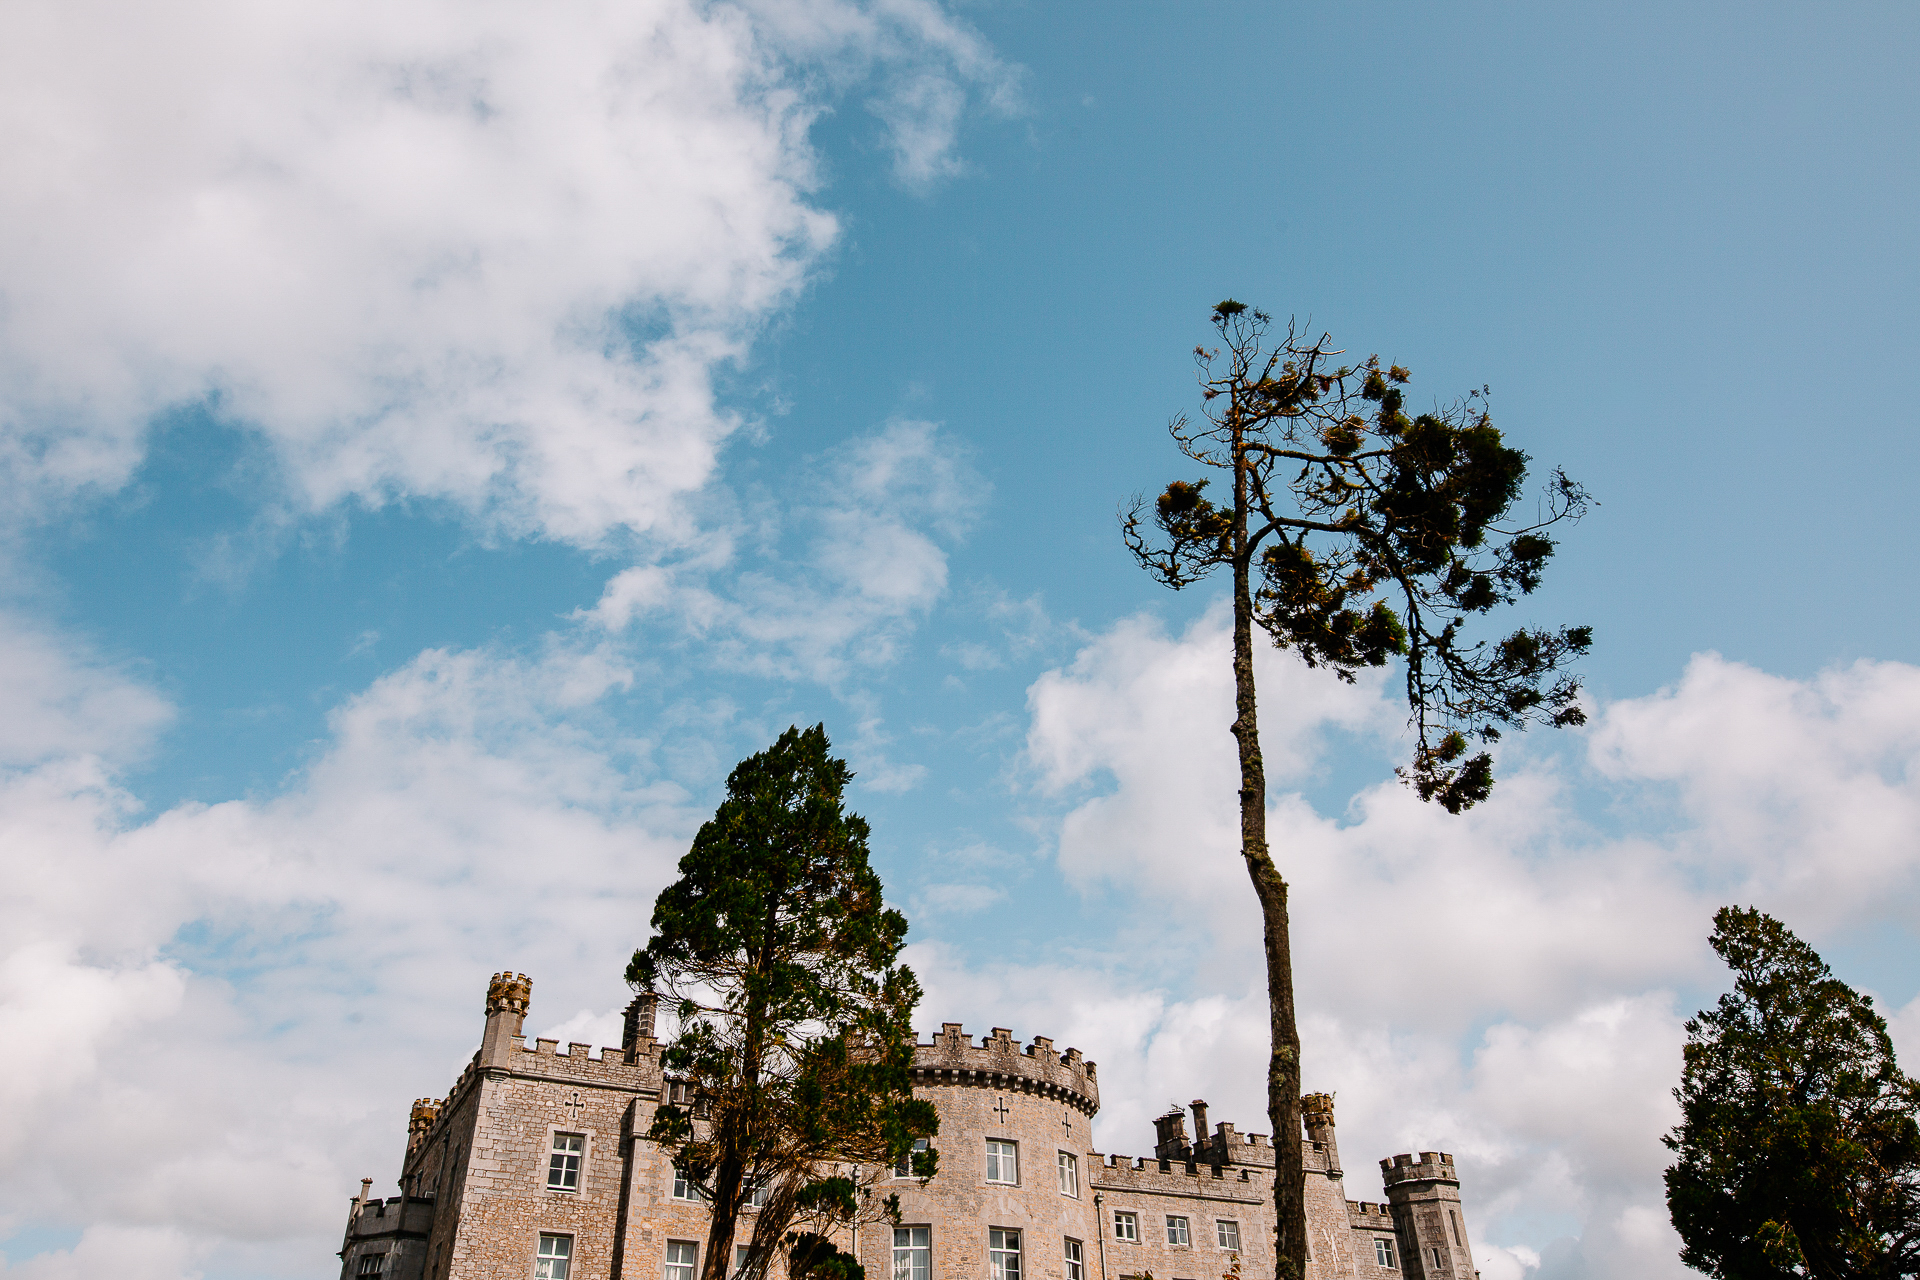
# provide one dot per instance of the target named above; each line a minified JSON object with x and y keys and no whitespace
{"x":475,"y":1196}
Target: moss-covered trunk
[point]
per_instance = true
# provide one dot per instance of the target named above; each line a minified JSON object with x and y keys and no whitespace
{"x":1283,"y":1065}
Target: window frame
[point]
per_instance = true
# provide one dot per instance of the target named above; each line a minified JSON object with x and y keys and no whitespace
{"x":1067,"y":1167}
{"x":1012,"y":1153}
{"x":1383,"y":1253}
{"x":692,"y":1192}
{"x":903,"y":1167}
{"x":579,"y":1158}
{"x":670,"y":1269}
{"x":379,"y":1261}
{"x":921,"y":1251}
{"x":1186,"y":1231}
{"x":998,"y":1258}
{"x":1074,"y":1254}
{"x":1132,"y":1221}
{"x":1222,"y":1227}
{"x":543,"y":1259}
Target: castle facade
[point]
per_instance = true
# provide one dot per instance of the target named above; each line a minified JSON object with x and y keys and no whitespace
{"x":536,"y":1167}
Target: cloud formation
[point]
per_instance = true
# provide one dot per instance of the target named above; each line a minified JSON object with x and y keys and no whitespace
{"x":1501,"y":985}
{"x":220,"y":1008}
{"x":473,"y":252}
{"x":827,"y":582}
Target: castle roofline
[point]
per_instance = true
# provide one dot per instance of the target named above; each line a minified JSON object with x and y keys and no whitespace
{"x":1001,"y":1062}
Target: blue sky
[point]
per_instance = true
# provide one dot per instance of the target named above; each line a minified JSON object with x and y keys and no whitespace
{"x":440,"y":440}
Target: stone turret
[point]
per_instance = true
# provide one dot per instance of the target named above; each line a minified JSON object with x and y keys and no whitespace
{"x":1316,"y":1109}
{"x":425,"y":1112}
{"x":508,"y":996}
{"x":1425,"y":1195}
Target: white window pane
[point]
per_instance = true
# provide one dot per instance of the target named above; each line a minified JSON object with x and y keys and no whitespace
{"x":555,"y":1258}
{"x":680,"y":1260}
{"x":1003,"y":1162}
{"x":912,"y":1253}
{"x":1003,"y":1254}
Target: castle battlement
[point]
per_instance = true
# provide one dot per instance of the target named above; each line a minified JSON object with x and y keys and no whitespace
{"x":1150,"y":1175}
{"x":539,"y":1151}
{"x":1000,"y":1062}
{"x":1432,"y":1166}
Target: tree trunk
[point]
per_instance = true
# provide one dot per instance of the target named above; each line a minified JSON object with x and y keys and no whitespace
{"x":741,"y":1129}
{"x":1283,"y":1066}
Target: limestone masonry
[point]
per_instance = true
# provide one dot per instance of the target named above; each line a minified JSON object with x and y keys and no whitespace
{"x":535,"y":1167}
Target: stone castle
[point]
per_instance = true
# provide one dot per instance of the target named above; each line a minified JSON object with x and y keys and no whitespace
{"x":536,"y":1167}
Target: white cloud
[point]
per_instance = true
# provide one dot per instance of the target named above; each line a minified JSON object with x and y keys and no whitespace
{"x":220,"y":1014}
{"x":477,"y":252}
{"x":126,"y":1253}
{"x":1500,"y":985}
{"x":868,"y":521}
{"x":58,"y":702}
{"x":1801,"y":792}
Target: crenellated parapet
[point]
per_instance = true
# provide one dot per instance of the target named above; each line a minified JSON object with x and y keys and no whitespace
{"x":420,"y":1121}
{"x":1154,"y":1176}
{"x":1001,"y":1062}
{"x":1432,"y":1166}
{"x":1365,"y":1215}
{"x":509,"y":993}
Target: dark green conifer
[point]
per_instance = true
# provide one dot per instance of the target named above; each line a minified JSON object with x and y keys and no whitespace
{"x":1798,"y":1149}
{"x":796,"y":1041}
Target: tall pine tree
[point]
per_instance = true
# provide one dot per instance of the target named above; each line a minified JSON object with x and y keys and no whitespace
{"x":1356,"y":533}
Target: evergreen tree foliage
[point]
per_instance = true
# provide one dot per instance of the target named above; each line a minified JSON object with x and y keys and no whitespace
{"x":1355,"y":534}
{"x":1798,"y":1151}
{"x":795,"y":1039}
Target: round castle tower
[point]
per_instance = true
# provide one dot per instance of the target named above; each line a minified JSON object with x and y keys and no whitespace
{"x":1008,"y":1113}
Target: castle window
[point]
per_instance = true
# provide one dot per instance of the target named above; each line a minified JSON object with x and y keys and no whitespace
{"x":912,"y":1253}
{"x":1069,"y":1175}
{"x":684,"y":1188}
{"x":741,"y":1252}
{"x":903,"y":1167}
{"x":1126,"y":1226}
{"x":563,"y":1168}
{"x":680,"y":1259}
{"x":1177,"y":1230}
{"x":757,"y":1194}
{"x":1003,"y":1254}
{"x":1455,"y":1219}
{"x":1076,"y":1265}
{"x":1383,"y":1253}
{"x":1003,"y":1161}
{"x":555,"y":1258}
{"x":1437,"y":1264}
{"x":1228,"y":1234}
{"x":370,"y":1263}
